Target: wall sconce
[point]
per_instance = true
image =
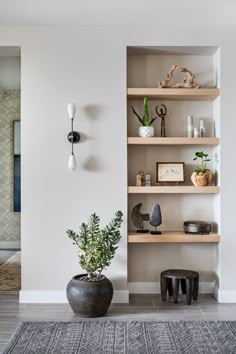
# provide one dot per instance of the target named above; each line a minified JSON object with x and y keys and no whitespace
{"x":73,"y":137}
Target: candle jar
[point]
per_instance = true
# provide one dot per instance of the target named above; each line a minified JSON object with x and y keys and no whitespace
{"x":196,"y":132}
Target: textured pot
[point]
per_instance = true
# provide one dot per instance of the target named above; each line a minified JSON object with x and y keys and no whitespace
{"x":89,"y":298}
{"x":145,"y":131}
{"x":201,"y":180}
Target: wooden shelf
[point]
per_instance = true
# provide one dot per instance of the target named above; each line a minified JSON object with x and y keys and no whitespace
{"x":172,"y":237}
{"x":174,"y":190}
{"x":201,"y":94}
{"x":173,"y":141}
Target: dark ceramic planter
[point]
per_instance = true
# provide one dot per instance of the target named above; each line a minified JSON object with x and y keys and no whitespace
{"x":89,"y":299}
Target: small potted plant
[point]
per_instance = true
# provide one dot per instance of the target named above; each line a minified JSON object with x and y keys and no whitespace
{"x":201,"y":175}
{"x":145,"y":130}
{"x":90,"y":294}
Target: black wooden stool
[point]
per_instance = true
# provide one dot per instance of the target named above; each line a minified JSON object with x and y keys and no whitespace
{"x":189,"y":284}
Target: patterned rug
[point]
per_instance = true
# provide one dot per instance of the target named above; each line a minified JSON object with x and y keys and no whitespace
{"x":10,"y":274}
{"x":135,"y":337}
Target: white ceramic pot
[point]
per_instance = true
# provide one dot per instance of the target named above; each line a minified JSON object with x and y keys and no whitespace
{"x":146,"y":131}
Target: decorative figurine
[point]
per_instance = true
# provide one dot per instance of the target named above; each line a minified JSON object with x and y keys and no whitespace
{"x":141,"y":173}
{"x":138,"y":180}
{"x":187,"y":82}
{"x":162,"y":114}
{"x":148,"y":180}
{"x":156,"y":219}
{"x":139,"y":218}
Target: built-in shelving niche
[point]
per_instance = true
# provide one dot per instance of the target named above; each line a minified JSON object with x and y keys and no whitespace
{"x":145,"y":67}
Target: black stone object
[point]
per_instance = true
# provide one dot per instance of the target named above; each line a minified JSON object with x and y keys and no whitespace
{"x":73,"y":137}
{"x":89,"y":298}
{"x":156,"y":218}
{"x":138,"y":218}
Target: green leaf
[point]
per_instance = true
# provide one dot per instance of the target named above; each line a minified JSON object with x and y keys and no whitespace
{"x":153,"y":120}
{"x":145,"y":107}
{"x":138,"y":116}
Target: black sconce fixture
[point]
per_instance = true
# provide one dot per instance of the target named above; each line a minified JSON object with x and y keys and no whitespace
{"x":73,"y":137}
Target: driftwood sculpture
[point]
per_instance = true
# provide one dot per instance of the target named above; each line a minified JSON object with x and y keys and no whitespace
{"x":188,"y":81}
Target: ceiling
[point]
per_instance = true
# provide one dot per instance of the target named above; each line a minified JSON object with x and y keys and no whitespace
{"x":102,"y":12}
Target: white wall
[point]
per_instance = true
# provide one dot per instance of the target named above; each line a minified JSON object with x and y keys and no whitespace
{"x":88,"y":66}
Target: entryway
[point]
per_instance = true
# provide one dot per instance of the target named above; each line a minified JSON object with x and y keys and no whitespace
{"x":10,"y":169}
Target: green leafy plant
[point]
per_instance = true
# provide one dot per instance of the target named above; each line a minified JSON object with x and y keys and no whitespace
{"x":145,"y":120}
{"x":202,"y":168}
{"x":97,"y":246}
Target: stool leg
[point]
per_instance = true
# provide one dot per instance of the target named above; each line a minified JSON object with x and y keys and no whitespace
{"x":169,"y":286}
{"x":195,"y":288}
{"x":183,"y":286}
{"x":163,"y":288}
{"x":175,"y":287}
{"x":189,"y":291}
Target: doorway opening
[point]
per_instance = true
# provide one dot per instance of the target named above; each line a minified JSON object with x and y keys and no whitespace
{"x":10,"y":169}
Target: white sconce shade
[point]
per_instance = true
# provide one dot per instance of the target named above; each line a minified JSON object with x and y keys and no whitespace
{"x":72,"y":163}
{"x":71,"y":110}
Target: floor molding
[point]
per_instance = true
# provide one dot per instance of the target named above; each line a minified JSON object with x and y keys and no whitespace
{"x":154,"y":288}
{"x":225,"y":296}
{"x":10,"y":245}
{"x":119,"y":296}
{"x":59,"y":297}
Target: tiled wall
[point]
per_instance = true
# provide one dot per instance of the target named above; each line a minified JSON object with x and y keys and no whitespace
{"x":9,"y":220}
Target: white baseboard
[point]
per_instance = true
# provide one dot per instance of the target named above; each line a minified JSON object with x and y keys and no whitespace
{"x":225,"y":296}
{"x":15,"y":245}
{"x":59,"y":297}
{"x":154,"y":288}
{"x":122,"y":296}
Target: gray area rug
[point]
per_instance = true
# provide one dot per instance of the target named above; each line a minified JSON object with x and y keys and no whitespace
{"x":124,"y":337}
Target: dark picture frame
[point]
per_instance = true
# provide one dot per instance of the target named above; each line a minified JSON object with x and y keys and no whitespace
{"x":171,"y":172}
{"x":17,"y":166}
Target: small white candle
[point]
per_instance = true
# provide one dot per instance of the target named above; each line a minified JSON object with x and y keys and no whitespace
{"x":196,"y":132}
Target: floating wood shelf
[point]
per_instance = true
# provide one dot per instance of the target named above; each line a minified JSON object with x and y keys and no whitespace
{"x":173,"y":141}
{"x":174,"y":190}
{"x":172,"y":237}
{"x":201,"y":94}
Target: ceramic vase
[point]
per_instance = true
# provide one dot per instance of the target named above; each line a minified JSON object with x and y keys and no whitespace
{"x":201,"y":179}
{"x":89,"y":298}
{"x":146,"y":131}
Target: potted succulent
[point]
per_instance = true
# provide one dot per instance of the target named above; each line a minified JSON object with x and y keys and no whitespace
{"x":90,"y":294}
{"x":201,"y":175}
{"x":145,"y":130}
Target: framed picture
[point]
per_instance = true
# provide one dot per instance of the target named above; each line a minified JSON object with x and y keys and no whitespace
{"x":17,"y":166}
{"x":170,"y":172}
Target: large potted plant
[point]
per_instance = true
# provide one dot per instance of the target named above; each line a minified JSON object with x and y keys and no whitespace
{"x":201,"y":175}
{"x":145,"y":130}
{"x":90,"y":294}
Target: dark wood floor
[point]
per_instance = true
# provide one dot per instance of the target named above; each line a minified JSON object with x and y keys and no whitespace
{"x":141,"y":307}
